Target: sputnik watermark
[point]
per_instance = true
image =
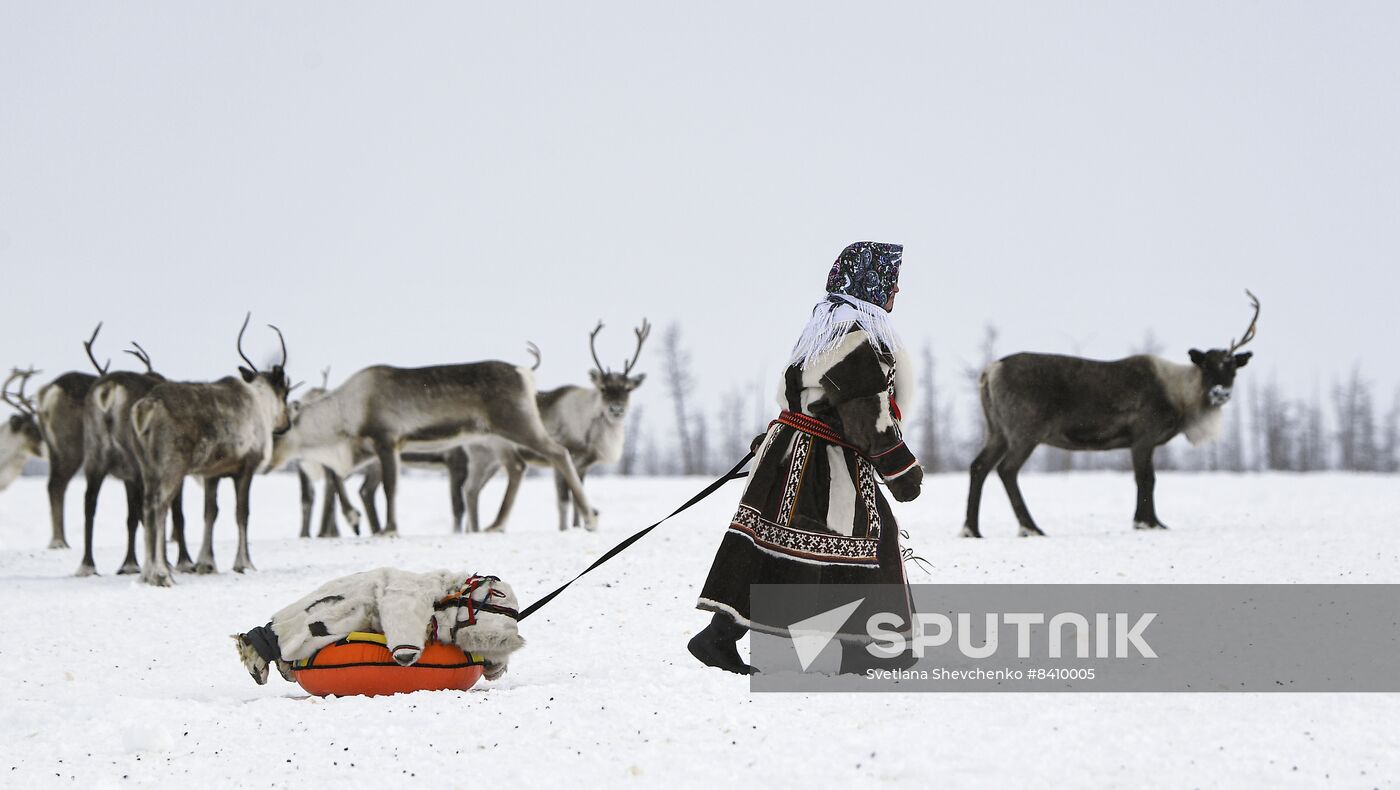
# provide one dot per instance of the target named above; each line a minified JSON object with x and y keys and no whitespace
{"x":889,"y":640}
{"x":1076,"y":637}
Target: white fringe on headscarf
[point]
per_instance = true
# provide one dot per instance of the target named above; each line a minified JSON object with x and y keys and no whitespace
{"x":832,"y":318}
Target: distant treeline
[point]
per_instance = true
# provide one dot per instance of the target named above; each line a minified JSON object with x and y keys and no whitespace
{"x":1265,"y":428}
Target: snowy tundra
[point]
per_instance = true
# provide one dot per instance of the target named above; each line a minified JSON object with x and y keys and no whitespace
{"x":112,"y":683}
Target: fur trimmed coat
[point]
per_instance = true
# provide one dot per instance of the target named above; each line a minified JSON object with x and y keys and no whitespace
{"x":409,"y":609}
{"x":813,"y":512}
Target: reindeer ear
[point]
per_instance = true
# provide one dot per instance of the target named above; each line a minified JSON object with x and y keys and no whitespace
{"x":636,"y":381}
{"x":595,"y":377}
{"x":1198,"y":356}
{"x":248,"y":375}
{"x":1243,"y":359}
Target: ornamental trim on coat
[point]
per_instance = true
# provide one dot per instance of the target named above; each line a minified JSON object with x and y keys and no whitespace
{"x":800,"y":543}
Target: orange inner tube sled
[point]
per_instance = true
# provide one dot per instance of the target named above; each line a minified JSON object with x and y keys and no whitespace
{"x":361,"y":665}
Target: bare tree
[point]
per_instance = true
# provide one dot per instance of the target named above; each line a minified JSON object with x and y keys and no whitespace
{"x":930,"y":446}
{"x":1356,"y":425}
{"x":680,"y":381}
{"x":630,"y":447}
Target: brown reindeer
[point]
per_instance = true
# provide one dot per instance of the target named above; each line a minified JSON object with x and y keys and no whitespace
{"x":109,"y":448}
{"x":1138,"y":403}
{"x":215,"y":430}
{"x":382,"y":411}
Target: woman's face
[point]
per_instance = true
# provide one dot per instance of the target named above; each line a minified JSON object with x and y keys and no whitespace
{"x":889,"y":304}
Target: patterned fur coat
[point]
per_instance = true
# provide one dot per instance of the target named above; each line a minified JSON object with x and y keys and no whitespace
{"x":813,"y":512}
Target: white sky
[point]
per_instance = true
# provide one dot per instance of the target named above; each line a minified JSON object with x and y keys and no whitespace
{"x":440,"y":182}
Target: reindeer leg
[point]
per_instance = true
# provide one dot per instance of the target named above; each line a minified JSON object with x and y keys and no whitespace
{"x":211,"y":513}
{"x":329,"y":527}
{"x":561,"y":499}
{"x":1009,"y":467}
{"x":308,"y":499}
{"x":1146,"y":476}
{"x":243,"y":488}
{"x":389,"y":469}
{"x":456,"y":484}
{"x":582,"y":473}
{"x":183,"y":562}
{"x":59,"y":476}
{"x":157,"y":570}
{"x":95,"y":477}
{"x":367,"y":489}
{"x":515,"y":471}
{"x":530,"y":434}
{"x":352,"y":516}
{"x":135,"y":508}
{"x":992,"y":452}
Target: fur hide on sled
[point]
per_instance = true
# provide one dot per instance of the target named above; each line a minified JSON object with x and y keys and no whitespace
{"x":476,"y":613}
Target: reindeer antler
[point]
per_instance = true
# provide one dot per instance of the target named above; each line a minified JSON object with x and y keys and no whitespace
{"x":244,"y":328}
{"x":643,"y":332}
{"x":326,"y":377}
{"x":101,"y":371}
{"x":1248,"y":333}
{"x":140,"y":353}
{"x":283,"y":341}
{"x":534,"y":352}
{"x":18,"y":400}
{"x":591,"y":337}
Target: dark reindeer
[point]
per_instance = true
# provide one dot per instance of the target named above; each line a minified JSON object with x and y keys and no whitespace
{"x":1137,"y":403}
{"x":60,"y":414}
{"x":215,"y":430}
{"x":382,"y":411}
{"x":109,"y":448}
{"x":20,"y":438}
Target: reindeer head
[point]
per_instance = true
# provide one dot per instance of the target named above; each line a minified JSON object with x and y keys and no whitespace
{"x":616,"y":388}
{"x":19,"y":437}
{"x":273,"y":383}
{"x":1218,"y":365}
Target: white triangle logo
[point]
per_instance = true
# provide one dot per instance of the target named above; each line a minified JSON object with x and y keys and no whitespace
{"x":811,"y":636}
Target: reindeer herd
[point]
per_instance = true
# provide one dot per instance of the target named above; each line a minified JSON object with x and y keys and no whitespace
{"x":151,"y":433}
{"x":476,"y":419}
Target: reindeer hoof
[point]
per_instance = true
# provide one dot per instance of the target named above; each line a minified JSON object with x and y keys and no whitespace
{"x":1031,"y":532}
{"x":85,"y":570}
{"x":185,"y":565}
{"x":128,"y":568}
{"x":205,"y":568}
{"x":58,"y":543}
{"x":161,"y":579}
{"x":495,"y":528}
{"x":970,"y":532}
{"x":388,"y":533}
{"x":1148,"y":525}
{"x":244,"y":568}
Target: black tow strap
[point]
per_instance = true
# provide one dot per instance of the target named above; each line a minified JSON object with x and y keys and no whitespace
{"x":732,"y":474}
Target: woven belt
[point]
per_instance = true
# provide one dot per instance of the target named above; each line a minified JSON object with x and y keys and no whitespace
{"x":814,"y":427}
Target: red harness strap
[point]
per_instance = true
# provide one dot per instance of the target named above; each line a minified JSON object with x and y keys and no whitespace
{"x":815,"y":427}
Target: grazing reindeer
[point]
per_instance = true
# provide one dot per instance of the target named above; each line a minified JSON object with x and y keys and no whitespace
{"x":60,"y":415}
{"x":216,"y":430}
{"x":590,"y":422}
{"x":382,"y":411}
{"x":1080,"y":404}
{"x":311,"y":474}
{"x":109,"y":449}
{"x":20,"y":438}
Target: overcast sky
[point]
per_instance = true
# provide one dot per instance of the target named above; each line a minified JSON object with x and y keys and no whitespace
{"x":432,"y":183}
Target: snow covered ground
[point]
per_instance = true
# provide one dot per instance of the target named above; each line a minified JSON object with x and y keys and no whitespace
{"x":151,"y":692}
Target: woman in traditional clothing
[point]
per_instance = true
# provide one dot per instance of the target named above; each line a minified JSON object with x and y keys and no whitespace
{"x":812,"y":512}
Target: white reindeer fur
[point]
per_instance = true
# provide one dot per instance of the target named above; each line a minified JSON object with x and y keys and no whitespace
{"x":581,"y":418}
{"x":1182,"y":384}
{"x":904,"y":378}
{"x":399,"y":604}
{"x":14,"y":452}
